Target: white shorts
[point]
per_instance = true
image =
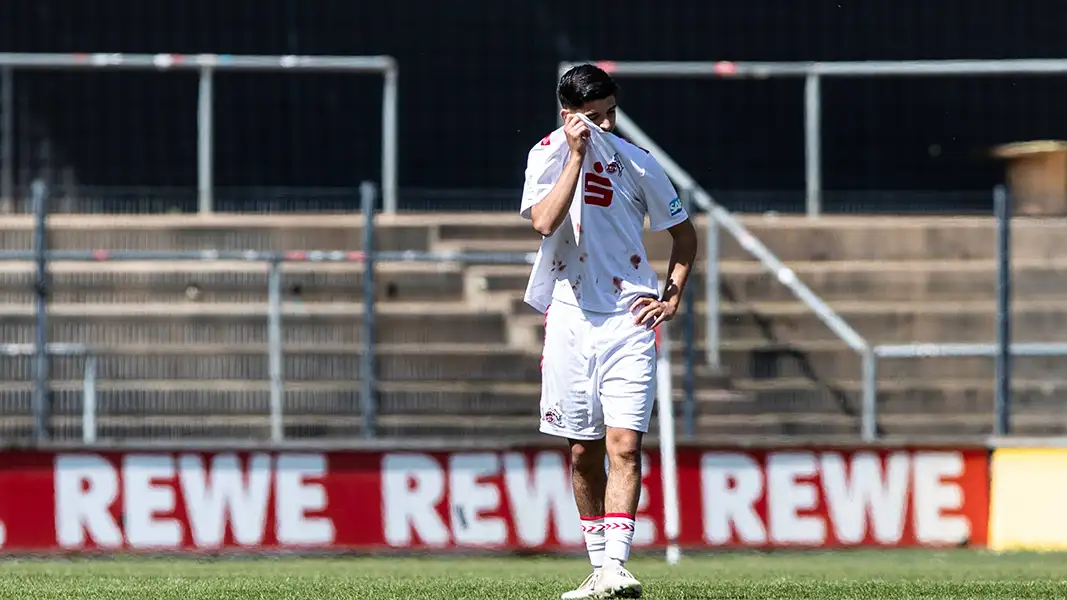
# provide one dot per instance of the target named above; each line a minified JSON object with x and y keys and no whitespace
{"x":597,"y":371}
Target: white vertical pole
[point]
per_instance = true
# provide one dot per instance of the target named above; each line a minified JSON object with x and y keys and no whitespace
{"x":274,"y":351}
{"x":667,"y":450}
{"x":7,"y":135}
{"x":89,"y":401}
{"x":390,"y":116}
{"x":711,"y":292}
{"x":205,"y":132}
{"x":813,"y":144}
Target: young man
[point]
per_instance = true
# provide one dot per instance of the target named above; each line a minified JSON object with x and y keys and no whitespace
{"x":587,"y":192}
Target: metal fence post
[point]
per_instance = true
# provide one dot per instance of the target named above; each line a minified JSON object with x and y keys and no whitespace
{"x":689,"y":350}
{"x":368,"y":404}
{"x":41,"y":396}
{"x":7,"y":135}
{"x":813,"y":143}
{"x":389,"y":139}
{"x":205,"y":131}
{"x":689,"y":380}
{"x":711,"y":293}
{"x":89,"y":401}
{"x":869,"y":417}
{"x":1002,"y":369}
{"x":274,"y":350}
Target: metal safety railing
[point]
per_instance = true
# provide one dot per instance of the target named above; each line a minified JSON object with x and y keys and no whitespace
{"x":42,"y":350}
{"x":814,"y":72}
{"x":368,"y":256}
{"x":206,"y":65}
{"x":1003,"y":351}
{"x":720,"y":217}
{"x":88,"y":378}
{"x":1002,"y":395}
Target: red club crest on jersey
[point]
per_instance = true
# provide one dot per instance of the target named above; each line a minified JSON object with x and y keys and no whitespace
{"x":615,"y":166}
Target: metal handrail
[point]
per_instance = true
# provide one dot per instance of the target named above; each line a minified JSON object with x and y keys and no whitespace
{"x":88,"y":378}
{"x":207,"y":65}
{"x":720,"y":217}
{"x":813,"y":73}
{"x":961,"y":350}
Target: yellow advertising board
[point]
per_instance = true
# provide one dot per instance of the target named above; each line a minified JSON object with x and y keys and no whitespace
{"x":1028,"y":499}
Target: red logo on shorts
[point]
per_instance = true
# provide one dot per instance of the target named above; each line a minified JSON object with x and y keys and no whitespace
{"x":554,"y":417}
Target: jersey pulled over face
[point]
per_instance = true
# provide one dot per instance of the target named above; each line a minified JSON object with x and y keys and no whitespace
{"x":607,"y":268}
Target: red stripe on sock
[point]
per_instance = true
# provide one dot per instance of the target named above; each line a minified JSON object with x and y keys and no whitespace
{"x":591,"y":518}
{"x":619,"y":515}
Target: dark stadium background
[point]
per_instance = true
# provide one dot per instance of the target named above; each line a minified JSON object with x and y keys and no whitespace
{"x":476,"y":91}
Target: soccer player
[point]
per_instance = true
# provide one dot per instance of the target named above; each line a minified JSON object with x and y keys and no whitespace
{"x":587,"y":191}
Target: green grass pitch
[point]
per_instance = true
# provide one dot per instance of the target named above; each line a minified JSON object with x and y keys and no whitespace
{"x":858,"y":575}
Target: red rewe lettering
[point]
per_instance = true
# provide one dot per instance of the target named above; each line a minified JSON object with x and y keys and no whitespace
{"x":598,"y":190}
{"x":159,"y":500}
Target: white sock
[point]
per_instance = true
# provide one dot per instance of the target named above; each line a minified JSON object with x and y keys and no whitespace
{"x":593,"y":530}
{"x":619,"y":530}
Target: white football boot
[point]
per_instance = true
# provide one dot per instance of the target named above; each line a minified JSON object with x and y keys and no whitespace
{"x":616,"y":582}
{"x":586,"y":590}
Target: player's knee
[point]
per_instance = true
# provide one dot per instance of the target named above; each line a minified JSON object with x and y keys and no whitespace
{"x":587,"y":457}
{"x":624,"y":448}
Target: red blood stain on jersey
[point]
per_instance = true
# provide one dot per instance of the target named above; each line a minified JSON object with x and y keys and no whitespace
{"x":635,"y":260}
{"x":582,"y":257}
{"x":557,"y":265}
{"x":579,"y":227}
{"x":618,"y":283}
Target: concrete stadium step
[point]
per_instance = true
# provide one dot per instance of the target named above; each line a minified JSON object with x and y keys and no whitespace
{"x":195,"y":397}
{"x":349,"y":427}
{"x":238,"y":323}
{"x":943,"y":402}
{"x":938,"y":428}
{"x":928,"y":280}
{"x":227,"y":281}
{"x":742,"y":428}
{"x":191,"y":398}
{"x":248,"y":427}
{"x":931,"y":281}
{"x":937,"y":399}
{"x":829,"y":238}
{"x":275,"y":233}
{"x":792,"y":238}
{"x":229,"y":366}
{"x":395,"y":362}
{"x":893,"y":321}
{"x":877,"y":321}
{"x":833,"y":361}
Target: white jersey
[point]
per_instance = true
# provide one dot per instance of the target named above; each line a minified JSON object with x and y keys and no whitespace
{"x":599,"y":264}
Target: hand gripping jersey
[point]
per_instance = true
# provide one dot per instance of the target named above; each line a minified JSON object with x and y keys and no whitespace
{"x":596,"y":259}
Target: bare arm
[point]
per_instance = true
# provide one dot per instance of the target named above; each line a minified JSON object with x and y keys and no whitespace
{"x":683,"y":253}
{"x":548,"y":214}
{"x":651,"y":312}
